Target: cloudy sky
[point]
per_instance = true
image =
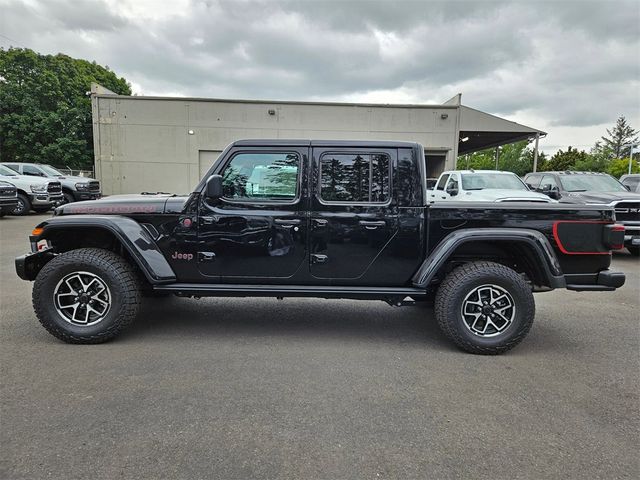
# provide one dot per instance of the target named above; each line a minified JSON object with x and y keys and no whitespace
{"x":567,"y":67}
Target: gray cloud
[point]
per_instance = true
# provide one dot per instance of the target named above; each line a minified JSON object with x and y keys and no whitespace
{"x":567,"y":63}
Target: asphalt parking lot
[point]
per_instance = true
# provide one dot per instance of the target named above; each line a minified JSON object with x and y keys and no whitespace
{"x":303,"y":388}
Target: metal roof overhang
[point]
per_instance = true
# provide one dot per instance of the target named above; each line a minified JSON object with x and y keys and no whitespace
{"x":481,"y":130}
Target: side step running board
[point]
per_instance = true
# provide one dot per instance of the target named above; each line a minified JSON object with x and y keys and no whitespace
{"x":251,"y":290}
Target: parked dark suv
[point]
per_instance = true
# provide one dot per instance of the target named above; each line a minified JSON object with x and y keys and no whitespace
{"x":631,"y":181}
{"x":592,"y":188}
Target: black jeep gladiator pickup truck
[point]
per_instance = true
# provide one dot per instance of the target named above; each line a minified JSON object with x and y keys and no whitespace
{"x":328,"y":219}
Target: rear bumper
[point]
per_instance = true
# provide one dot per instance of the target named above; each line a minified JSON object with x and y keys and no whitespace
{"x":606,"y":280}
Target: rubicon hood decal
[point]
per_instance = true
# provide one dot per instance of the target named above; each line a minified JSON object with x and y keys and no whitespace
{"x":122,"y":205}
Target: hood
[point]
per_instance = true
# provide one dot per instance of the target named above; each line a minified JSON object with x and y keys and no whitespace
{"x":74,"y":178}
{"x":33,"y":180}
{"x":604,"y":198}
{"x":126,"y":205}
{"x":503,"y":195}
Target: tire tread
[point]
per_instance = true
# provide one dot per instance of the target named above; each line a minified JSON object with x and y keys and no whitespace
{"x":467,"y":272}
{"x":97,"y":257}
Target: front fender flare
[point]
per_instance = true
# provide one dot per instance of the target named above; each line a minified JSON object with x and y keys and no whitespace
{"x":536,"y":241}
{"x":133,"y":237}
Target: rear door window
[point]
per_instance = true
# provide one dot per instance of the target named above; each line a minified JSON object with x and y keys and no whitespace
{"x":354,"y":177}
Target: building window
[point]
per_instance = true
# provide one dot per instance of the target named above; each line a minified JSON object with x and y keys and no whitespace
{"x":261,"y":176}
{"x":354,"y":178}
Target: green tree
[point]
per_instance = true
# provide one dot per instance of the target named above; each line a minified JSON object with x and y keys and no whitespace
{"x":514,"y":157}
{"x":568,"y":160}
{"x":45,"y":114}
{"x":620,"y":166}
{"x":619,"y":139}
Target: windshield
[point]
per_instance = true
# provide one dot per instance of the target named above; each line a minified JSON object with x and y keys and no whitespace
{"x":7,"y":171}
{"x":591,"y":183}
{"x":50,"y":171}
{"x":481,"y":181}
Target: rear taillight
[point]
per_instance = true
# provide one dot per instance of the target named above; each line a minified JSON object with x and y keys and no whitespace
{"x":613,"y":236}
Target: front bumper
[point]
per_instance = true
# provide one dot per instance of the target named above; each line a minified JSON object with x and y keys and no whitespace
{"x":87,"y":195}
{"x":28,"y":266}
{"x":631,"y":234}
{"x":8,"y":203}
{"x":606,"y":280}
{"x":45,"y":199}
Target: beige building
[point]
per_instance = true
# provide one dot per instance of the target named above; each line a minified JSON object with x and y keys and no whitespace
{"x":168,"y":143}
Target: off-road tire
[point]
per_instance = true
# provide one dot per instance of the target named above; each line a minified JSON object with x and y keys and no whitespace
{"x":633,"y":250}
{"x":68,"y":197}
{"x":463,"y":280}
{"x":26,"y":205}
{"x":111,"y":268}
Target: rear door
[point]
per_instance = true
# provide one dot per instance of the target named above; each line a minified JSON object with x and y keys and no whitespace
{"x":353,"y":215}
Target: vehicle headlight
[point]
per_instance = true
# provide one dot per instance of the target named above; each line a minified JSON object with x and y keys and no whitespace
{"x":39,"y":187}
{"x":82,"y":186}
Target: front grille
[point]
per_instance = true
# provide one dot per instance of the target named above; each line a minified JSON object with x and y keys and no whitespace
{"x":627,"y":211}
{"x":94,"y":186}
{"x":7,"y":191}
{"x":54,"y":187}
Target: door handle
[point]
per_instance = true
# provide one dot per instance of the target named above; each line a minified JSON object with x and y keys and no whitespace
{"x":321,"y":222}
{"x":206,"y":256}
{"x":319,"y":258}
{"x":372,"y":225}
{"x":287,"y":222}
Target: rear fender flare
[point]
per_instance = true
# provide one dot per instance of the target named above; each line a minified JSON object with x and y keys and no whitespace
{"x":535,"y":241}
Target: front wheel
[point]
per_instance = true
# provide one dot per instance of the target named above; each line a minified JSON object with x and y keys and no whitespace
{"x":68,"y":198}
{"x":485,"y":307}
{"x":23,"y":206}
{"x":87,"y":295}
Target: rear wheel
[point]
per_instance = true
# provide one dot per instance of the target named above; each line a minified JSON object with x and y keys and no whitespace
{"x":87,"y":295}
{"x":485,"y":307}
{"x":634,"y":250}
{"x":23,"y":206}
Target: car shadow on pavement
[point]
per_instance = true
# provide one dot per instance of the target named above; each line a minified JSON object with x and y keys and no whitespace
{"x":303,"y":318}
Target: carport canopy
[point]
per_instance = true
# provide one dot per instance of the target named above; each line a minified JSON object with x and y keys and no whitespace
{"x":480,"y":130}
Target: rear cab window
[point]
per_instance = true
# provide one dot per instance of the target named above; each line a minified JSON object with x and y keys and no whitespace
{"x":355,"y":177}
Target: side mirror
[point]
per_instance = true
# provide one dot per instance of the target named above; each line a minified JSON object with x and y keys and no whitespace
{"x":452,"y":191}
{"x":214,"y":187}
{"x":551,"y":191}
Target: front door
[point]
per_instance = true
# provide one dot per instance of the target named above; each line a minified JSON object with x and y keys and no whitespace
{"x":353,"y":215}
{"x":258,"y":228}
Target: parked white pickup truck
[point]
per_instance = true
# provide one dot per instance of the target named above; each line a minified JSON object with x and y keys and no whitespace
{"x":34,"y":193}
{"x":483,"y":186}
